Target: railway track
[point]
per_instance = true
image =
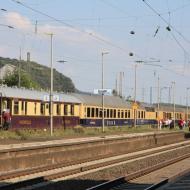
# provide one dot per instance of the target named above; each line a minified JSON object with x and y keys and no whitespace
{"x":180,"y":181}
{"x":14,"y":180}
{"x":122,"y":184}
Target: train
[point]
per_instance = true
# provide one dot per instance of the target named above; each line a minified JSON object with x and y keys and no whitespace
{"x":31,"y":109}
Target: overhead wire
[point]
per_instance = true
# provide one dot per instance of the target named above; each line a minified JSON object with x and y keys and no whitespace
{"x":164,"y":20}
{"x":168,"y":23}
{"x":91,"y":34}
{"x":115,"y":7}
{"x":172,"y":34}
{"x":73,"y":27}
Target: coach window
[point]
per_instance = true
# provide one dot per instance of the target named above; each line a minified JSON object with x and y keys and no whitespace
{"x":42,"y":108}
{"x":142,"y":114}
{"x":58,"y":109}
{"x":97,"y":112}
{"x":92,"y":112}
{"x":65,"y":109}
{"x":108,"y":113}
{"x":125,"y":113}
{"x":100,"y":113}
{"x":118,"y":113}
{"x":122,"y":114}
{"x":111,"y":113}
{"x":26,"y":107}
{"x":72,"y":109}
{"x":16,"y":107}
{"x":129,"y":114}
{"x":114,"y":113}
{"x":105,"y":115}
{"x":22,"y":107}
{"x":47,"y":107}
{"x":88,"y":112}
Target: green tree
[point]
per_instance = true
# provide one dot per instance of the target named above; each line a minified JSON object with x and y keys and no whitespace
{"x":12,"y":79}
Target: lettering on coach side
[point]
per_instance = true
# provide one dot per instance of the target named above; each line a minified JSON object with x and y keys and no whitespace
{"x":25,"y":122}
{"x":110,"y":122}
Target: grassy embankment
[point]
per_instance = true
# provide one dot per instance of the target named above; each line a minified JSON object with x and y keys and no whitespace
{"x":74,"y":132}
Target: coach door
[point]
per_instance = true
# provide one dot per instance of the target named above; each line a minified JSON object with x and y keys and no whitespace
{"x":5,"y":104}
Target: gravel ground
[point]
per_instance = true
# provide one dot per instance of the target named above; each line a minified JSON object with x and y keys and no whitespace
{"x":88,"y":180}
{"x":166,"y":172}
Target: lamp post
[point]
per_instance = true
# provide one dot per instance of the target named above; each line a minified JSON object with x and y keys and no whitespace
{"x":51,"y":83}
{"x":9,"y":26}
{"x":61,"y":61}
{"x":135,"y":94}
{"x":173,"y":86}
{"x":187,"y":104}
{"x":103,"y":53}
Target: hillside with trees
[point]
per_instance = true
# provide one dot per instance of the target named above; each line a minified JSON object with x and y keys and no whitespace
{"x":34,"y":75}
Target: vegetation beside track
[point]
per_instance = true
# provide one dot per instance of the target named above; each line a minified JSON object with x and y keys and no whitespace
{"x":36,"y":134}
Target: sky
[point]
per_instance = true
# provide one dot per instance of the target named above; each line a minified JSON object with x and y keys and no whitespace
{"x":155,"y":31}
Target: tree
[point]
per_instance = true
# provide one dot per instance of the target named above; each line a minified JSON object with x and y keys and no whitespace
{"x":12,"y":79}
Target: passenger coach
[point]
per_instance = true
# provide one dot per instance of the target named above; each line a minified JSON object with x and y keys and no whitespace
{"x":30,"y":108}
{"x":116,"y":112}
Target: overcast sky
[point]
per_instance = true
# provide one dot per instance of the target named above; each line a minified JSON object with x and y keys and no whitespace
{"x":84,"y":28}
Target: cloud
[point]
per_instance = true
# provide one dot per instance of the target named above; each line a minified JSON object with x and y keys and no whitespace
{"x":18,"y":21}
{"x":3,"y":50}
{"x":67,"y":34}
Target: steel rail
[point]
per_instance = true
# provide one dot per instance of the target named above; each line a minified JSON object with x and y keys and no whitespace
{"x":14,"y":174}
{"x":91,"y":167}
{"x":110,"y":184}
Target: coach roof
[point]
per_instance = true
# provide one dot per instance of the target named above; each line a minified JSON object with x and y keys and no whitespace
{"x":29,"y":94}
{"x":96,"y":100}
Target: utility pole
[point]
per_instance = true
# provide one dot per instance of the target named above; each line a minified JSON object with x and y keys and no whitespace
{"x":169,"y":94}
{"x":173,"y":86}
{"x":51,"y":90}
{"x":149,"y":64}
{"x":158,"y":102}
{"x":151,"y":95}
{"x":135,"y":90}
{"x":103,"y":53}
{"x":116,"y":86}
{"x":143,"y":92}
